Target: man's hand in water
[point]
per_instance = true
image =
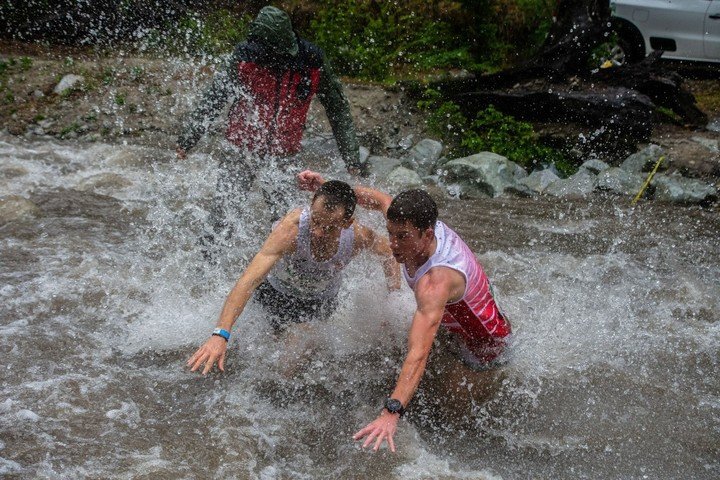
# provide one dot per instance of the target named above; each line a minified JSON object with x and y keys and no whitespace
{"x":181,"y":153}
{"x":212,"y":351}
{"x":382,"y":428}
{"x":309,"y":180}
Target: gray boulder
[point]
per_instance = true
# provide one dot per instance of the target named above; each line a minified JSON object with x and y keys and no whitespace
{"x":678,"y":189}
{"x":12,"y":171}
{"x":644,"y":160}
{"x":482,"y":174}
{"x":423,"y":156}
{"x":579,"y":185}
{"x":539,"y":180}
{"x":364,"y":154}
{"x":619,"y":181}
{"x":709,"y":143}
{"x":595,"y":166}
{"x":15,"y":207}
{"x":714,"y":125}
{"x":380,"y":167}
{"x":68,"y":82}
{"x":406,"y":142}
{"x":103,"y":181}
{"x":402,"y":178}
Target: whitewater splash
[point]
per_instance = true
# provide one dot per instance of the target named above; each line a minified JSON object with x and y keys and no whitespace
{"x":104,"y":294}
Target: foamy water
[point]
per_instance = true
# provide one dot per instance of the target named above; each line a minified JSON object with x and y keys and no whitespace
{"x":104,"y":295}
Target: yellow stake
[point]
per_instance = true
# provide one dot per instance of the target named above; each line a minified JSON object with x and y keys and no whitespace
{"x":647,"y":182}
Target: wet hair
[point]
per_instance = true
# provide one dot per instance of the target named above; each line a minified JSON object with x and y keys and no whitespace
{"x":414,"y":206}
{"x":337,"y":194}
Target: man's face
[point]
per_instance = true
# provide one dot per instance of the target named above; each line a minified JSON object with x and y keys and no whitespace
{"x":326,"y":223}
{"x":407,"y":241}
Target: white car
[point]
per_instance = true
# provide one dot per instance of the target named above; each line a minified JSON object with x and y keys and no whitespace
{"x":683,"y":29}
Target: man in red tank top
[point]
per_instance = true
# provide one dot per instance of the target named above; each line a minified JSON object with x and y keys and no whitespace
{"x":451,"y":289}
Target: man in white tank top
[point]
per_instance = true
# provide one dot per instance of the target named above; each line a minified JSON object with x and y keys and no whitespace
{"x":302,"y":260}
{"x":451,"y":289}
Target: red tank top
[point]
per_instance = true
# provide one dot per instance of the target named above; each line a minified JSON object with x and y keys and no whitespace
{"x":475,"y":318}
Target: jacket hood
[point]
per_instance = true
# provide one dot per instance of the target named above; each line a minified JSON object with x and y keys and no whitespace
{"x":272,"y":27}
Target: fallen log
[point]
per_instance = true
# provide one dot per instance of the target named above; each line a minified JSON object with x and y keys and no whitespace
{"x":664,"y":87}
{"x":615,"y":119}
{"x":558,"y":85}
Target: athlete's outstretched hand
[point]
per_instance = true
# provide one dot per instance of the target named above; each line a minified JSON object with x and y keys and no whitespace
{"x":212,"y":351}
{"x":309,"y":180}
{"x":382,"y":428}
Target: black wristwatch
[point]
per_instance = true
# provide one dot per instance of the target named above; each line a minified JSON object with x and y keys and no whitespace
{"x":393,"y":405}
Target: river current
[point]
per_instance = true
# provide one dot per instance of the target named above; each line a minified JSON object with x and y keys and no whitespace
{"x":613,"y":371}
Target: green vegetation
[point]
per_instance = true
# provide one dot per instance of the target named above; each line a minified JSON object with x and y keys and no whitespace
{"x":137,"y":74}
{"x":707,"y":95}
{"x":108,"y":76}
{"x":214,"y":33}
{"x":668,"y":115}
{"x":372,"y":39}
{"x":119,"y":99}
{"x":383,"y":40}
{"x":25,"y":63}
{"x":489,"y":131}
{"x":74,"y":127}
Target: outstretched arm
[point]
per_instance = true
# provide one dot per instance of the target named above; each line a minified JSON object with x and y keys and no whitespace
{"x":432,"y":293}
{"x":333,"y":99}
{"x":280,"y":241}
{"x":370,"y":240}
{"x":224,"y":89}
{"x":367,"y":197}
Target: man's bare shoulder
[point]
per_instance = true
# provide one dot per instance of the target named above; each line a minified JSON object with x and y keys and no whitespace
{"x":290,"y":221}
{"x":286,"y":230}
{"x":441,"y":282}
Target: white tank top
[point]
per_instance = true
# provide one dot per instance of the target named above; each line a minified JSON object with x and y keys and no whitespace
{"x":300,"y":275}
{"x":475,"y":317}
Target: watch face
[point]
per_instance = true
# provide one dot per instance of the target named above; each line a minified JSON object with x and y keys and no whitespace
{"x":393,"y":405}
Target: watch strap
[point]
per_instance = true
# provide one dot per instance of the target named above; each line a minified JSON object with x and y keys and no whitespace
{"x":220,"y":332}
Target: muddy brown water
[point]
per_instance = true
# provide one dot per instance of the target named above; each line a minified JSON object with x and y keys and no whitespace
{"x":613,"y":370}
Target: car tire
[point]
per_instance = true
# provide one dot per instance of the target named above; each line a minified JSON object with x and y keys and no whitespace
{"x":630,"y":41}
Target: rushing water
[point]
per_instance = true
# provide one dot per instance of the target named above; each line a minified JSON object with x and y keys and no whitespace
{"x":104,"y":295}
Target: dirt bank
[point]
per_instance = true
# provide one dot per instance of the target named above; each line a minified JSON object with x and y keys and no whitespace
{"x":143,"y":100}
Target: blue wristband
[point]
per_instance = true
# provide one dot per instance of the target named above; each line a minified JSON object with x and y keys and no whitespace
{"x":222,"y":333}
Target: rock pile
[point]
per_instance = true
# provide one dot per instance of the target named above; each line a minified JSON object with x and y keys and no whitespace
{"x":488,"y":174}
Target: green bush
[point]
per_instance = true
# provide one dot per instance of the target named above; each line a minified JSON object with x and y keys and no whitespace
{"x":215,"y":33}
{"x":372,"y":40}
{"x":490,"y":131}
{"x":499,"y":133}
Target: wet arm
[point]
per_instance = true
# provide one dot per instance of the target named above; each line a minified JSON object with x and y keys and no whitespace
{"x":372,"y":199}
{"x":279,"y":242}
{"x":380,"y":246}
{"x":366,"y":197}
{"x":337,"y":107}
{"x":223,"y":90}
{"x":431,"y":297}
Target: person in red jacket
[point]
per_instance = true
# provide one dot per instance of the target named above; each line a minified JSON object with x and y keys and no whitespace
{"x":269,"y":81}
